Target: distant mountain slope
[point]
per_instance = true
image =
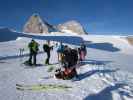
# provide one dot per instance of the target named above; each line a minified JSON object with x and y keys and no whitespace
{"x":7,"y":35}
{"x":72,"y":27}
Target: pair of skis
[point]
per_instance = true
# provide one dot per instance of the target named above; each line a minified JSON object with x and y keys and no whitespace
{"x":42,"y":87}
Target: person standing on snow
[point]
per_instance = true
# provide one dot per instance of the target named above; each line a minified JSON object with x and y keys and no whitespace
{"x":79,"y":54}
{"x":60,"y":51}
{"x":47,"y":49}
{"x":33,"y":48}
{"x":82,"y":51}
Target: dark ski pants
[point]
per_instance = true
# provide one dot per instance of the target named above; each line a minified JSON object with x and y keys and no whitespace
{"x":48,"y":57}
{"x":32,"y":56}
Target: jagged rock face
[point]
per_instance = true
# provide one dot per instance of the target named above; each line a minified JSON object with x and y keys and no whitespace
{"x":71,"y":26}
{"x":35,"y":25}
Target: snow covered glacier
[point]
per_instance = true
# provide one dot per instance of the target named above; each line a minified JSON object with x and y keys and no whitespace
{"x":106,"y":74}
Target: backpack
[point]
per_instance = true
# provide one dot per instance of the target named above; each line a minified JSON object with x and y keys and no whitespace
{"x":33,"y":46}
{"x":60,"y":49}
{"x":45,"y":47}
{"x":70,"y":57}
{"x":74,"y":56}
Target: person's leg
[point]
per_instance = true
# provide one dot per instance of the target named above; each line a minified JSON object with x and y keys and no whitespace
{"x":46,"y":61}
{"x":30,"y":58}
{"x":34,"y":58}
{"x":82,"y":55}
{"x":58,"y":54}
{"x":61,"y":58}
{"x":48,"y":57}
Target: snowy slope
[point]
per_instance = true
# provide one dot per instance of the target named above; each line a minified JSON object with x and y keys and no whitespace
{"x":106,"y":74}
{"x":119,"y":42}
{"x":7,"y":34}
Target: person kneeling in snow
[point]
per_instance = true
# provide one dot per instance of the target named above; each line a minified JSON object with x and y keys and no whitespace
{"x":70,"y":58}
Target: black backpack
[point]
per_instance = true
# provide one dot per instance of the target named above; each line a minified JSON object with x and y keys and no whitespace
{"x":71,"y":57}
{"x":45,"y":47}
{"x":74,"y":55}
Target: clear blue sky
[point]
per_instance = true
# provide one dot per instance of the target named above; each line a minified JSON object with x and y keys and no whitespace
{"x":95,"y":15}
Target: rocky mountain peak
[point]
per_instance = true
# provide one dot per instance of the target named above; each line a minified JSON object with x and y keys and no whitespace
{"x":71,"y":26}
{"x":36,"y":25}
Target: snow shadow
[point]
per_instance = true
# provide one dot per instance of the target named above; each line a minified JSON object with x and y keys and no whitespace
{"x":103,"y":46}
{"x":36,"y":66}
{"x":16,"y":56}
{"x":13,"y":57}
{"x":74,"y":40}
{"x":94,"y":62}
{"x":92,"y":72}
{"x":106,"y":93}
{"x":2,"y":62}
{"x":8,"y":35}
{"x":41,"y":65}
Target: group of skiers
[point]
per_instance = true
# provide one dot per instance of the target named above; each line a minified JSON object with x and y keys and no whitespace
{"x":33,"y":51}
{"x":67,"y":56}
